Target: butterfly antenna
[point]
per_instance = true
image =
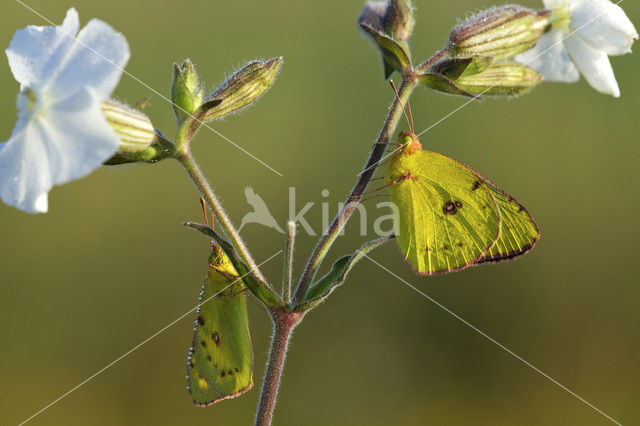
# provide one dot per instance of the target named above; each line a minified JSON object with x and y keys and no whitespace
{"x":409,"y":123}
{"x":204,"y":211}
{"x":413,"y":129}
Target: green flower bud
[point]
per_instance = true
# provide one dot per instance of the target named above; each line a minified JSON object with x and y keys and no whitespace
{"x":398,"y":19}
{"x":138,"y":139}
{"x":242,"y":88}
{"x":133,"y":127}
{"x":501,"y":32}
{"x":500,"y":79}
{"x":186,"y":92}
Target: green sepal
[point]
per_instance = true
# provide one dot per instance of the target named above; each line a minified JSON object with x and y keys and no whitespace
{"x":394,"y":54}
{"x":152,"y":154}
{"x":322,"y":288}
{"x":243,"y":88}
{"x":501,"y":79}
{"x":192,"y":124}
{"x":500,"y":32}
{"x":443,"y":84}
{"x":186,"y":91}
{"x":454,"y":68}
{"x":258,"y":288}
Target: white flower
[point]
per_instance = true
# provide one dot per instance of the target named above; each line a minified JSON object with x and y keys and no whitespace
{"x":584,"y":32}
{"x":61,"y":133}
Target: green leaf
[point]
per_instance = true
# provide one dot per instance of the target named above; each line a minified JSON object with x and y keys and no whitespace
{"x":477,"y":65}
{"x":393,"y":52}
{"x":454,"y":68}
{"x":443,"y":84}
{"x":220,"y":363}
{"x":258,"y":288}
{"x":322,"y":288}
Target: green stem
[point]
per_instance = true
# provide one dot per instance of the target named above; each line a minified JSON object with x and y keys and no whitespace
{"x":283,"y":324}
{"x":194,"y":172}
{"x":324,"y":244}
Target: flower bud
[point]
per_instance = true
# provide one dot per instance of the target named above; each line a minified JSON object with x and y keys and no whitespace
{"x":501,"y":32}
{"x":133,"y":127}
{"x":398,"y":19}
{"x":500,"y":79}
{"x":384,"y":21}
{"x":186,"y":92}
{"x":244,"y":87}
{"x":373,"y":14}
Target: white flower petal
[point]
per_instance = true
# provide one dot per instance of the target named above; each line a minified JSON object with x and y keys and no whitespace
{"x":593,"y":64}
{"x":35,"y":52}
{"x":24,"y":170}
{"x":550,"y":58}
{"x":604,"y":25}
{"x":96,"y":59}
{"x":68,"y":142}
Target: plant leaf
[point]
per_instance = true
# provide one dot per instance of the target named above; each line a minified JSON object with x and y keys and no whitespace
{"x":322,"y":288}
{"x":393,"y":52}
{"x":443,"y":84}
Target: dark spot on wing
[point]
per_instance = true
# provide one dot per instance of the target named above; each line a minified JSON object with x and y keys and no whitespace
{"x":203,"y":343}
{"x":459,"y":204}
{"x":427,"y":249}
{"x":445,"y":248}
{"x":200,"y":320}
{"x":521,"y":209}
{"x":449,"y":208}
{"x":460,"y":244}
{"x":216,"y":338}
{"x":230,"y":373}
{"x":223,"y":374}
{"x":476,"y":185}
{"x":209,"y":358}
{"x":237,"y":371}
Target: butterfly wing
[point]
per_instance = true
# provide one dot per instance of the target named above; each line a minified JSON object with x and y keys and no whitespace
{"x":518,"y":230}
{"x":447,"y":216}
{"x":220,"y":364}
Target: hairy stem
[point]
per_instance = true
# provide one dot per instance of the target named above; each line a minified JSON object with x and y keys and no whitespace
{"x":283,"y":324}
{"x":441,"y":54}
{"x":203,"y":186}
{"x":288,"y":263}
{"x":375,"y":157}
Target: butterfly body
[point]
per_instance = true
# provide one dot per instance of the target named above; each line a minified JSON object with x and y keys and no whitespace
{"x":450,"y":216}
{"x":220,"y":363}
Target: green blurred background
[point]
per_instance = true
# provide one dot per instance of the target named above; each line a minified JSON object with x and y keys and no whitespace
{"x":111,"y":264}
